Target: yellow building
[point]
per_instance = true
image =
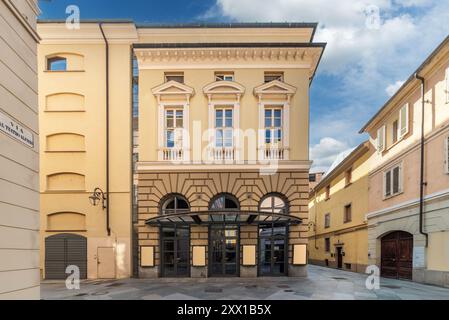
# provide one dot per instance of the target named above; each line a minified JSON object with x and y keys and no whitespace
{"x":224,"y":149}
{"x":222,"y":162}
{"x":85,"y":113}
{"x":19,"y":151}
{"x":338,"y":235}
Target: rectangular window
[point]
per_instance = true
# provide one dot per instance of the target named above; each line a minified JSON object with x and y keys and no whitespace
{"x":328,"y":192}
{"x":348,"y":177}
{"x":327,"y":220}
{"x":394,"y":132}
{"x":393,"y":181}
{"x":447,"y":85}
{"x":312,"y":177}
{"x":348,"y":213}
{"x":327,"y":245}
{"x":381,"y":139}
{"x":272,"y":76}
{"x":403,"y":121}
{"x":174,"y":123}
{"x":446,"y":155}
{"x":174,"y":76}
{"x":224,"y":124}
{"x":273,"y":126}
{"x":57,"y":64}
{"x":224,"y":76}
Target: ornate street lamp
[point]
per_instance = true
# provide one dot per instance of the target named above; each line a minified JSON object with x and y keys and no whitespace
{"x":98,"y":196}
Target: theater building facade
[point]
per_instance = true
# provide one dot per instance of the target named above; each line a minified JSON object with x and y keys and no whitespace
{"x":224,"y":149}
{"x":217,"y":183}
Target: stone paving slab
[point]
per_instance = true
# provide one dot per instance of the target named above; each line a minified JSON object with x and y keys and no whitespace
{"x":321,"y":284}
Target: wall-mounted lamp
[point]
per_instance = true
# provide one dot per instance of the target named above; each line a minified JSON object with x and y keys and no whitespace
{"x":98,"y":196}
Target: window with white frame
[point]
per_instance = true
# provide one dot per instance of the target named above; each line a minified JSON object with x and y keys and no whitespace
{"x":395,"y":132}
{"x":224,"y":76}
{"x":273,"y":126}
{"x":403,"y":121}
{"x":174,"y":124}
{"x":393,"y":181}
{"x":224,"y":124}
{"x":381,"y":139}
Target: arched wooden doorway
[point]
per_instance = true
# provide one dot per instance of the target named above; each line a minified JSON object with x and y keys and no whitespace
{"x":397,"y":255}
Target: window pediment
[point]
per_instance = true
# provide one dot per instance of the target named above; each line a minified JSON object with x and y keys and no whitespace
{"x":173,"y":88}
{"x":224,"y":87}
{"x":275,"y":87}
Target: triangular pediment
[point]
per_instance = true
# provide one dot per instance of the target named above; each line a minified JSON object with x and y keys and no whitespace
{"x":275,"y":87}
{"x":224,"y":87}
{"x":173,"y":88}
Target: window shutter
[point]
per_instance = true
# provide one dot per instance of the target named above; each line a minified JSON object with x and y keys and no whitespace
{"x":387,"y":184}
{"x":446,"y":155}
{"x":447,"y":85}
{"x":403,"y":121}
{"x":381,"y":139}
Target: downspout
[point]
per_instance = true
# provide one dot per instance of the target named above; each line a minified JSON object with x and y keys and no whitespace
{"x":315,"y":226}
{"x":422,"y":183}
{"x":108,"y":228}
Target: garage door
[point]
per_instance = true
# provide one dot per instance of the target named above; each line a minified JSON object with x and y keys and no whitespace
{"x":63,"y":250}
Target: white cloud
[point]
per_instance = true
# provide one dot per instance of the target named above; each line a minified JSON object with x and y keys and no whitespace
{"x":393,"y":88}
{"x":325,"y":152}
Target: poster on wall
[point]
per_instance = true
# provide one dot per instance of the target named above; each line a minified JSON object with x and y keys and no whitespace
{"x":16,"y":131}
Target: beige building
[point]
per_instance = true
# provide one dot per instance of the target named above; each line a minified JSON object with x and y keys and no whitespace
{"x":85,"y":113}
{"x":19,"y":151}
{"x":337,"y":213}
{"x":408,"y":219}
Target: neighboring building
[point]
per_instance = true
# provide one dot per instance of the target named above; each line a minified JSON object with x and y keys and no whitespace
{"x":85,"y":113}
{"x":314,"y":179}
{"x":19,"y":151}
{"x":338,"y":235}
{"x":406,"y":242}
{"x":210,"y":202}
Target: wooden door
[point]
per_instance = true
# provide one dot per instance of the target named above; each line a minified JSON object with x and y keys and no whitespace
{"x":339,"y":258}
{"x":106,"y":263}
{"x":397,"y":255}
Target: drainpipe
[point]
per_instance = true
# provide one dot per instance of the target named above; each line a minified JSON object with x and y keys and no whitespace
{"x":108,"y":228}
{"x":422,"y":182}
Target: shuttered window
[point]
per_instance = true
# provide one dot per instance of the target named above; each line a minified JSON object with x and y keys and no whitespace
{"x":403,"y":121}
{"x":447,"y":85}
{"x":393,"y":181}
{"x":381,"y":139}
{"x":446,"y":155}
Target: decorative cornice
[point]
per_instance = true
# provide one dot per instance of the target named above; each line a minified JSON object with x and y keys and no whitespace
{"x":269,"y":88}
{"x":217,"y":87}
{"x":165,"y":89}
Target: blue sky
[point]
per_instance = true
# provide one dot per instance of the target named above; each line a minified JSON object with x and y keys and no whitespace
{"x":362,"y":67}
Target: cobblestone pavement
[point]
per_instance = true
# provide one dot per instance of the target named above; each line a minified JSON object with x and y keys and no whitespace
{"x":321,"y":284}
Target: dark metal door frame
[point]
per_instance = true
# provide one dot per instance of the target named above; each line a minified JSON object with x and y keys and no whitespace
{"x":223,"y":240}
{"x":175,"y":252}
{"x":272,"y":262}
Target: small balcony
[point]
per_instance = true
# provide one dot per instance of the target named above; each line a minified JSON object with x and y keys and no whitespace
{"x":273,"y":153}
{"x":222,"y":154}
{"x":172,"y":154}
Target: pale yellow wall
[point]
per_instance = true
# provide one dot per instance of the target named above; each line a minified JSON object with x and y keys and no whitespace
{"x":250,"y":78}
{"x":354,"y":234}
{"x":19,"y":163}
{"x":76,"y":143}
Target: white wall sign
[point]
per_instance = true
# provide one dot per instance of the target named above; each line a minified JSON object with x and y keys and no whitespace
{"x":419,"y":257}
{"x":15,"y":130}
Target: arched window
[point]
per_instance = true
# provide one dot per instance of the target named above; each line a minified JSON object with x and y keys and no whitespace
{"x":175,"y":204}
{"x":273,"y":204}
{"x":57,"y":64}
{"x":224,"y":202}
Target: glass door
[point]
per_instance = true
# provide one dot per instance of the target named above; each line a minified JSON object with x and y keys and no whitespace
{"x":175,"y":251}
{"x":224,"y":253}
{"x":273,"y":250}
